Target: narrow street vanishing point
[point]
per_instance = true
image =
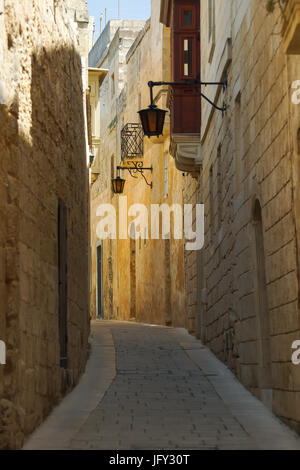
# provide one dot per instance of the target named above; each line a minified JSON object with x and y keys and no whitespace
{"x":151,"y":387}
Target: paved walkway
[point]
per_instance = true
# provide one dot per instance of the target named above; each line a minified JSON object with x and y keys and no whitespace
{"x":149,"y":387}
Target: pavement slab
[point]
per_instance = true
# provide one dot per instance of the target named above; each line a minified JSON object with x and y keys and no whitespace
{"x":153,"y":387}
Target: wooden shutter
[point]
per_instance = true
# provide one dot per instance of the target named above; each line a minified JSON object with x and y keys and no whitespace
{"x":185,"y":101}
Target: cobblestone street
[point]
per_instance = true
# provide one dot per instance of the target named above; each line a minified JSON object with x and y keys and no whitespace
{"x":149,"y":387}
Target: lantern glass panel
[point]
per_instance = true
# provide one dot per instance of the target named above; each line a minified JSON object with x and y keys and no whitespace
{"x":144,"y":121}
{"x":152,"y":121}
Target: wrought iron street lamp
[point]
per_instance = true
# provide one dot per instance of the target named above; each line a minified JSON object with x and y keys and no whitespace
{"x":153,"y":118}
{"x":118,"y":183}
{"x":135,"y":167}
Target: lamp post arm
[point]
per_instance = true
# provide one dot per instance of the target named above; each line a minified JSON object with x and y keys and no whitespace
{"x":190,"y":82}
{"x":134,"y":168}
{"x":223,"y":109}
{"x":146,"y":181}
{"x":139,"y":169}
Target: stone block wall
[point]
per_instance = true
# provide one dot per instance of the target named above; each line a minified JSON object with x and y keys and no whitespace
{"x":248,"y":273}
{"x":191,"y":191}
{"x":43,"y":160}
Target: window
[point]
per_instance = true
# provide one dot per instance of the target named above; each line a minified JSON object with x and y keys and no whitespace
{"x":185,"y":45}
{"x":112,"y":169}
{"x":166,"y":176}
{"x":132,"y":141}
{"x":188,"y":57}
{"x":188,"y":18}
{"x":113,"y":85}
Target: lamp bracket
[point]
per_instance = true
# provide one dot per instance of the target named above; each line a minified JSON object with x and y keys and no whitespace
{"x":134,"y":168}
{"x":224,"y":85}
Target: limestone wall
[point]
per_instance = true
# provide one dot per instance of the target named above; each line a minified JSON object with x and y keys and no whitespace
{"x":142,"y":279}
{"x":43,"y":160}
{"x":248,"y":289}
{"x":110,"y":50}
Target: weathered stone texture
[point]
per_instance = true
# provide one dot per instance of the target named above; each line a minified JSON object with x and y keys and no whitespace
{"x":258,"y":144}
{"x":43,"y":160}
{"x":142,"y":279}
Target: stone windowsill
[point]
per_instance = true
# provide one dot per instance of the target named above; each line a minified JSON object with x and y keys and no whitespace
{"x":186,"y":150}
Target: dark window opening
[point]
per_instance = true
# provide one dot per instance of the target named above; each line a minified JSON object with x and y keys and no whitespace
{"x":298,"y":141}
{"x":188,"y":18}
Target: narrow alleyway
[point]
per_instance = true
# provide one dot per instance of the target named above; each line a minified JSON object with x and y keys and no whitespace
{"x":149,"y":387}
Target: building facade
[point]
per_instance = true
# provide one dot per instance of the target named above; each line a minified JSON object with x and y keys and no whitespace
{"x":245,"y":281}
{"x":140,"y":278}
{"x":44,"y":302}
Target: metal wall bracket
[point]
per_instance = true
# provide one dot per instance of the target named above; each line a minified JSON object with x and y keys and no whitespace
{"x":192,"y":82}
{"x":136,"y":168}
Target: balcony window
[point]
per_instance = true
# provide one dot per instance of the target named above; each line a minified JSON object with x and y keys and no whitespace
{"x":185,"y":101}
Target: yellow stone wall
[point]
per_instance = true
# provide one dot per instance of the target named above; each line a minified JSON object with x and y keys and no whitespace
{"x":250,"y":153}
{"x":142,"y":279}
{"x":43,"y":159}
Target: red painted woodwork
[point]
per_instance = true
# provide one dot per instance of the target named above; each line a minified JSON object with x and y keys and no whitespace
{"x":185,"y":101}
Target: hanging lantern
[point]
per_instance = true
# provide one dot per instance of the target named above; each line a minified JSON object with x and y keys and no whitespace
{"x":153,"y":120}
{"x":118,"y":185}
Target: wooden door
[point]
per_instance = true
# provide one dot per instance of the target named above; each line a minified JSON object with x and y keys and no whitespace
{"x":63,"y":284}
